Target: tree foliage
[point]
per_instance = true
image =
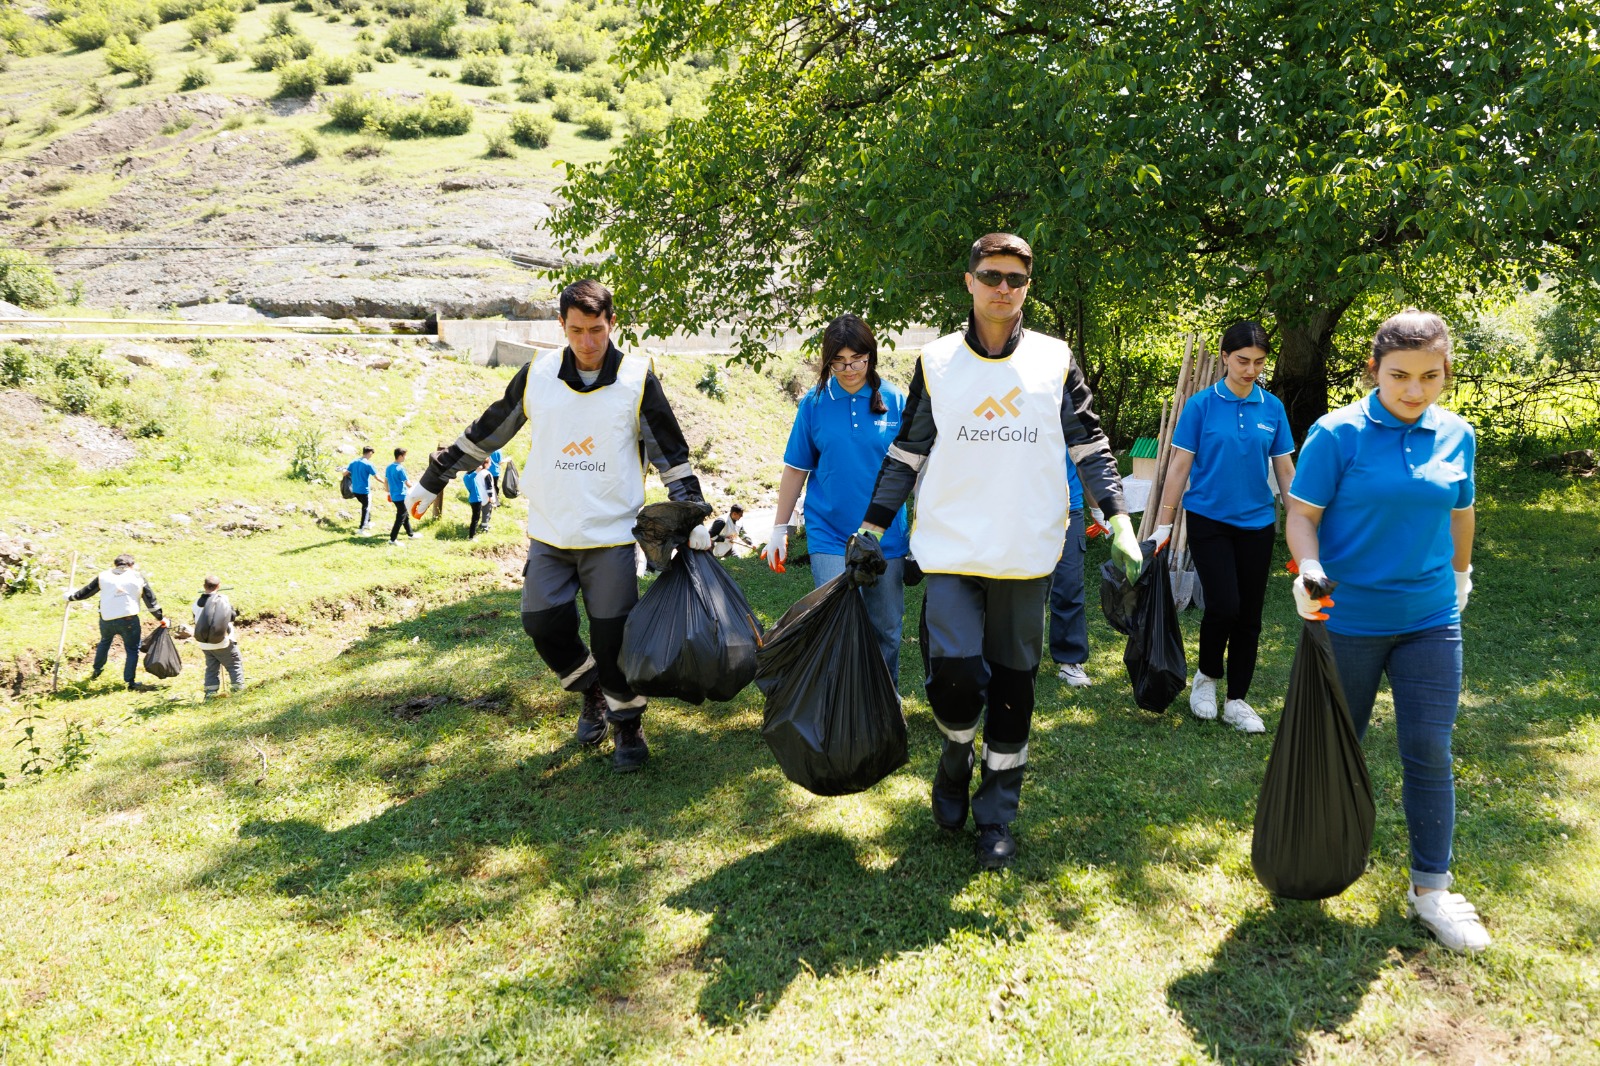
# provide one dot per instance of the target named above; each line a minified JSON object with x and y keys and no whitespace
{"x":1261,"y":157}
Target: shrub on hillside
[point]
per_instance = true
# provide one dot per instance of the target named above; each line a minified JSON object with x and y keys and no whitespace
{"x":125,"y":57}
{"x":439,"y":114}
{"x":90,"y":24}
{"x":25,"y":281}
{"x":567,"y":107}
{"x":226,"y":50}
{"x":498,"y":38}
{"x":578,"y":48}
{"x":596,"y":123}
{"x":341,"y":70}
{"x":302,"y":78}
{"x":498,"y":144}
{"x":194,"y":77}
{"x":480,"y":70}
{"x":531,"y":129}
{"x":23,"y":35}
{"x":351,"y":110}
{"x":279,"y":24}
{"x":210,"y":23}
{"x":173,"y":10}
{"x":88,"y":32}
{"x":600,"y":83}
{"x":432,"y":32}
{"x":275,"y":52}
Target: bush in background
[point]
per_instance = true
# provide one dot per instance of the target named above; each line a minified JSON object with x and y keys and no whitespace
{"x":596,"y":123}
{"x":531,"y":129}
{"x":302,"y":78}
{"x":480,"y":69}
{"x":439,"y":114}
{"x":207,"y":24}
{"x":194,"y":77}
{"x":498,"y":144}
{"x":25,"y":281}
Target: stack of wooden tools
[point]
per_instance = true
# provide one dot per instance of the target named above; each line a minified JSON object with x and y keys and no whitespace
{"x":1201,"y":369}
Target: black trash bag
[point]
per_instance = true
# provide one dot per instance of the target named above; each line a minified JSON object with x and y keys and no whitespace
{"x":161,"y":654}
{"x":1154,"y":655}
{"x":510,"y":484}
{"x":693,"y":636}
{"x":1118,"y":597}
{"x":663,"y":527}
{"x":833,"y":719}
{"x":1314,"y":817}
{"x":345,"y":490}
{"x":215,"y":617}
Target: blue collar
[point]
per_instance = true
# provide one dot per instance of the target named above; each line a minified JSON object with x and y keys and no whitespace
{"x":1380,"y":414}
{"x":1225,"y":393}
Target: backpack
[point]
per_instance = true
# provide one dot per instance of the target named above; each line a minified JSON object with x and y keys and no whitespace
{"x":215,"y":615}
{"x":344,"y":487}
{"x":509,"y":486}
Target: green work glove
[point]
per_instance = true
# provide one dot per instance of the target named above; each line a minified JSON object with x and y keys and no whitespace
{"x":1125,"y":545}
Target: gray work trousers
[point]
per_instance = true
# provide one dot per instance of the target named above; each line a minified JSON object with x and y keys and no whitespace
{"x":221,"y":659}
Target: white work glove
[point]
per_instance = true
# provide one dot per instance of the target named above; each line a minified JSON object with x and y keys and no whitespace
{"x":1162,"y":535}
{"x":776,"y":553}
{"x":418,"y":500}
{"x":699,"y":539}
{"x":1307,"y":605}
{"x":66,"y":595}
{"x":1463,"y":587}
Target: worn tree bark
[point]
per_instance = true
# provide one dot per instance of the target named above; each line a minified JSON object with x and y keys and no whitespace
{"x":1305,"y":340}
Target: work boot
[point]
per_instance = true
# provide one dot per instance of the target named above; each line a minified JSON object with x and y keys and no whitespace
{"x":140,"y":686}
{"x":950,"y":786}
{"x":592,"y":719}
{"x":996,"y":847}
{"x":631,"y":750}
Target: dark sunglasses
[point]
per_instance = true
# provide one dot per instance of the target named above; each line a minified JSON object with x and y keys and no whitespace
{"x":993,"y":278}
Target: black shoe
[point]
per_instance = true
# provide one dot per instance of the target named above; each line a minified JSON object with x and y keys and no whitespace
{"x":996,"y":847}
{"x":592,"y":719}
{"x":631,"y":750}
{"x":949,"y":800}
{"x":140,"y":686}
{"x":96,"y":675}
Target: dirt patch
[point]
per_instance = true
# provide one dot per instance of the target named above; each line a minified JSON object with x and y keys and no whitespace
{"x":98,"y":146}
{"x":79,"y":438}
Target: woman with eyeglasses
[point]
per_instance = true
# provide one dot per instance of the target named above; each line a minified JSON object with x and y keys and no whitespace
{"x":842,"y":431}
{"x":1229,"y":440}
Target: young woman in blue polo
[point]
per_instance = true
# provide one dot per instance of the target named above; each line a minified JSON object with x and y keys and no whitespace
{"x":842,"y":430}
{"x":1382,"y":505}
{"x":1229,"y":440}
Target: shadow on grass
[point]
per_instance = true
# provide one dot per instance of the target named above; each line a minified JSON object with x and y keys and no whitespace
{"x":809,"y":903}
{"x":1283,"y":974}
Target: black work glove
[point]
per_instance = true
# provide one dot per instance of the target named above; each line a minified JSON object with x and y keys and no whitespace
{"x":863,"y":559}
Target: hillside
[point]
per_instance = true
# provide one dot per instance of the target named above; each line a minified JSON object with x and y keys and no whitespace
{"x":342,"y":182}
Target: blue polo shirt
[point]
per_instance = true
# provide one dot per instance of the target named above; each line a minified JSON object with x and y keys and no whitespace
{"x":495,"y":460}
{"x":395,"y":475}
{"x":1233,"y":441}
{"x":475,"y":488}
{"x":1387,"y":489}
{"x":361,"y":472}
{"x":839,"y":441}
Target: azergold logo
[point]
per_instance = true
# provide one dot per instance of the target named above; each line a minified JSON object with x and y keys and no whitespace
{"x":991,"y":408}
{"x":583,"y":447}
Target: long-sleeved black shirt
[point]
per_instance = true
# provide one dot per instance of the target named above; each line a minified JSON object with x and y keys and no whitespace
{"x":146,"y":594}
{"x":662,"y":443}
{"x":1086,"y":442}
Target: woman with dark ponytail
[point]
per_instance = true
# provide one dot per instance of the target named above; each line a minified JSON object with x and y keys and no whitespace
{"x":842,"y":431}
{"x":1229,"y":440}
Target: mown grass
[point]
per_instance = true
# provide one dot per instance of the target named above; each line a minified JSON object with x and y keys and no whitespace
{"x":430,"y":869}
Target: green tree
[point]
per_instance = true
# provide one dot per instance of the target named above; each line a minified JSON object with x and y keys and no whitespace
{"x":1265,"y":157}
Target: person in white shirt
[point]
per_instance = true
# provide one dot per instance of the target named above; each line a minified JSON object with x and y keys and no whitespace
{"x":121,"y":589}
{"x":725,"y":531}
{"x":222,"y":654}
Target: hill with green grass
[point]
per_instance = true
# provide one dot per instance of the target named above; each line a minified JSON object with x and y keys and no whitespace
{"x":389,"y":157}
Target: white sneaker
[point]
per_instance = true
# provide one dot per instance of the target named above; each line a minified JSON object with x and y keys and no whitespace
{"x":414,"y":536}
{"x":363,"y":531}
{"x":1203,"y":697}
{"x":1073,"y":675}
{"x":397,"y":544}
{"x":1242,"y":717}
{"x":1449,"y":917}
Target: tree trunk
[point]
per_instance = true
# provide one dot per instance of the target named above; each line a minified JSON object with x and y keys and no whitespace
{"x":1305,"y":339}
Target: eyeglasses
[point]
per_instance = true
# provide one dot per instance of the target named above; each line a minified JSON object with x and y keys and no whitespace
{"x":839,"y":366}
{"x":992,"y":278}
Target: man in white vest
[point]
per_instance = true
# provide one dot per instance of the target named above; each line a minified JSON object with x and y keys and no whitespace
{"x":992,"y":417}
{"x":596,"y":416}
{"x":121,"y":589}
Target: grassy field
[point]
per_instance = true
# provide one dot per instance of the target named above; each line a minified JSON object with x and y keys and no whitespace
{"x":389,"y":847}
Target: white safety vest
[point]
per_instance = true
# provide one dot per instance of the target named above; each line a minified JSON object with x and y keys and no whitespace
{"x":584,"y":478}
{"x":993,"y":497}
{"x":119,"y":593}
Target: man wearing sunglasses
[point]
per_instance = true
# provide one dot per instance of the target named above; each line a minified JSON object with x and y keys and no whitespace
{"x":993,"y":415}
{"x":596,"y":418}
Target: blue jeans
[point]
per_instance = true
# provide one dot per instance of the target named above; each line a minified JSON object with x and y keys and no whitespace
{"x":1424,"y":671}
{"x":1069,"y":625}
{"x":886,"y":603}
{"x":127,"y":628}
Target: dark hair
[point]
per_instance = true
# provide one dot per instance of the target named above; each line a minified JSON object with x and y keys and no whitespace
{"x":999,"y":244}
{"x":736,"y":509}
{"x":398,"y":452}
{"x":123,"y":560}
{"x":211,"y":583}
{"x":1410,"y":331}
{"x":367,"y":450}
{"x":1245,"y":334}
{"x":848,"y":331}
{"x":588,"y":296}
